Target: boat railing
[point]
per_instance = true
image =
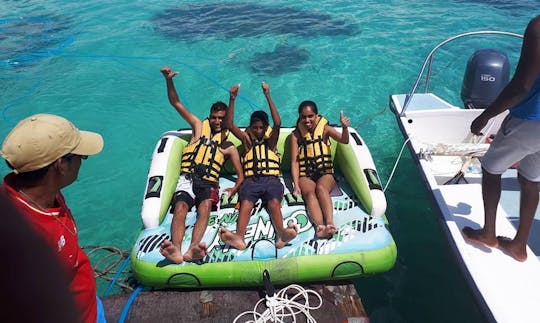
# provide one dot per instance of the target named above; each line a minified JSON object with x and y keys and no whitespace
{"x":429,"y":60}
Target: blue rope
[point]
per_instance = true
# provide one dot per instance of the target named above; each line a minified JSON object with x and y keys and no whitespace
{"x":120,"y":270}
{"x":218,"y":84}
{"x":129,"y":302}
{"x":68,"y":40}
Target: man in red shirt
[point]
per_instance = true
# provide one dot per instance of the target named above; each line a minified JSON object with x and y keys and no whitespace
{"x":45,"y":152}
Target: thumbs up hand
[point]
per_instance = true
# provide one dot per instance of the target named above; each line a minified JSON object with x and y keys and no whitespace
{"x":345,"y":122}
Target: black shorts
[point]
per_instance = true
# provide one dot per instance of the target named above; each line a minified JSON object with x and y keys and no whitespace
{"x":201,"y":190}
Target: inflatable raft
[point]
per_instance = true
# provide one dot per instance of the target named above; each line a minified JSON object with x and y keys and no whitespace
{"x":363,"y":244}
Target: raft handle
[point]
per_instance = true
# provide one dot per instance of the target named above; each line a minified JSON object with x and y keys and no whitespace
{"x":356,"y":138}
{"x":161,"y":147}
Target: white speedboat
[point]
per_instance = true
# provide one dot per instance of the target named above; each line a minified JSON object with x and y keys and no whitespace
{"x":448,"y":156}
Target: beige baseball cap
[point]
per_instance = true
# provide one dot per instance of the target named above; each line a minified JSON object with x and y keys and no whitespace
{"x":39,"y":140}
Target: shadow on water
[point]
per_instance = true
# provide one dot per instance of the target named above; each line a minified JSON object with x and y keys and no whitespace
{"x":509,"y":6}
{"x":25,"y":40}
{"x":200,"y":21}
{"x":283,"y":59}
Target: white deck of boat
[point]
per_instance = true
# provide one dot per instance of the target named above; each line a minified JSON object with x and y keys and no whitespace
{"x":511,"y":289}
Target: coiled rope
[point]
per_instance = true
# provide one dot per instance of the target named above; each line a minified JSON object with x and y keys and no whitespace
{"x":282,"y":307}
{"x":105,"y":265}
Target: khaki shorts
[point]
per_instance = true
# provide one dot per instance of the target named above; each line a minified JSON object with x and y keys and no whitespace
{"x":518,"y":140}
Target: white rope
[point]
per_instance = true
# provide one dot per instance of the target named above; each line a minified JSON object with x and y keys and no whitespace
{"x":462,"y":149}
{"x":476,"y":147}
{"x":395,"y":164}
{"x":282,"y":306}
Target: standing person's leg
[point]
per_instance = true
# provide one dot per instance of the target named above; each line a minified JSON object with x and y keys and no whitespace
{"x":491,"y":194}
{"x":503,"y":151}
{"x":517,"y":248}
{"x":325,"y":184}
{"x":529,"y":178}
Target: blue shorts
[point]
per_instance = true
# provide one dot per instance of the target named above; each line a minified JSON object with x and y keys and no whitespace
{"x":265,"y":188}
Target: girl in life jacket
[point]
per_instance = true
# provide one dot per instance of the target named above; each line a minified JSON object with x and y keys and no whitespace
{"x":311,"y":164}
{"x":261,"y":163}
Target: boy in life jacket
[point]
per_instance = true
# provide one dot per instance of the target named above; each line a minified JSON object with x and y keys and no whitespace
{"x":198,"y":183}
{"x":261,"y":163}
{"x":311,"y":164}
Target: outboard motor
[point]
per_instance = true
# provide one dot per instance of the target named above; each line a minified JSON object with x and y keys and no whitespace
{"x":487,"y":73}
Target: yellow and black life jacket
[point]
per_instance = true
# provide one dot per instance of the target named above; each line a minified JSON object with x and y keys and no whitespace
{"x":259,"y":160}
{"x":314,"y":155}
{"x":203,"y":158}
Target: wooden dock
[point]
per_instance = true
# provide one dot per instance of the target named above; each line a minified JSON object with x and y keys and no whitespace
{"x":341,"y":303}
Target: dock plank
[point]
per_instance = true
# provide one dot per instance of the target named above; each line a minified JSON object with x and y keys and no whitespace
{"x":341,"y":303}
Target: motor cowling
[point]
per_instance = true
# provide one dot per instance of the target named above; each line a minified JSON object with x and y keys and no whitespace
{"x":487,"y":73}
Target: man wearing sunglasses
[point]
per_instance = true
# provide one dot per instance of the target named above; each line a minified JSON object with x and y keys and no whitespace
{"x":45,"y":153}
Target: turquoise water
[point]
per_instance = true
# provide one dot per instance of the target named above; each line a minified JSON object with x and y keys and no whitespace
{"x":97,"y":63}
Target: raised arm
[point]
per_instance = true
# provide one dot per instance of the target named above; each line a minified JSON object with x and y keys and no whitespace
{"x":232,"y":153}
{"x":527,"y":71}
{"x":229,"y":117}
{"x":342,"y":137}
{"x":194,"y":122}
{"x":274,"y":135}
{"x":295,"y":167}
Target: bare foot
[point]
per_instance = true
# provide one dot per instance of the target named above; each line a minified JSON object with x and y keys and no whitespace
{"x":479,"y":236}
{"x":231,"y":239}
{"x":171,"y":252}
{"x":508,"y":246}
{"x":320,"y":231}
{"x":330,"y":230}
{"x":288,"y":234}
{"x":196,"y":251}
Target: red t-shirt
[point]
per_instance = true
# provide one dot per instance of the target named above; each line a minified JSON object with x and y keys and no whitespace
{"x":58,"y":227}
